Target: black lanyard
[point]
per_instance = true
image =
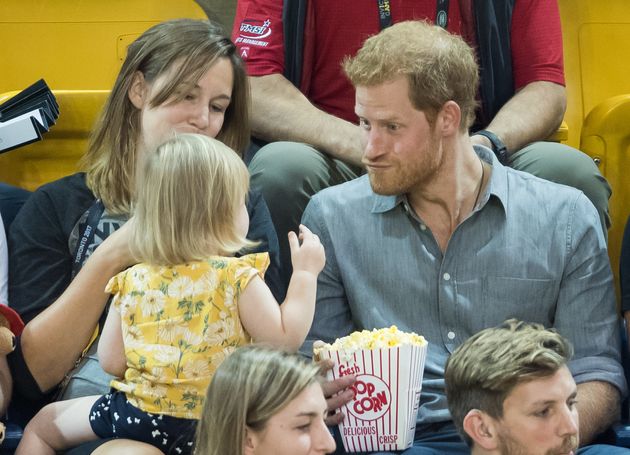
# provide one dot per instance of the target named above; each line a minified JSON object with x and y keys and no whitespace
{"x":86,"y":234}
{"x":385,"y":13}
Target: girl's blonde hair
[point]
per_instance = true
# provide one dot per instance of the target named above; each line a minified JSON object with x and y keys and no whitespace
{"x":190,"y":45}
{"x":188,"y":198}
{"x":249,"y":387}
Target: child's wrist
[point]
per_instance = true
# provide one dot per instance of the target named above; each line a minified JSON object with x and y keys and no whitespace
{"x":304,"y":274}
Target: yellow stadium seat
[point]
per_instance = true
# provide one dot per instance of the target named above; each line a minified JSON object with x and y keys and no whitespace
{"x":597,"y":62}
{"x":596,"y":56}
{"x":606,"y":137}
{"x":75,"y":44}
{"x":78,"y":47}
{"x":57,"y":155}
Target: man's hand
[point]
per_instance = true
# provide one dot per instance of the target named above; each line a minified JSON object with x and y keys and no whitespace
{"x":337,"y":392}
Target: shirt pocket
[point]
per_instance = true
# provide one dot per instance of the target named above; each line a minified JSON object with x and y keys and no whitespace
{"x":527,"y":299}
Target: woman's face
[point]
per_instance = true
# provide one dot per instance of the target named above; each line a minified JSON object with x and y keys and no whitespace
{"x":298,"y":429}
{"x":201,"y":110}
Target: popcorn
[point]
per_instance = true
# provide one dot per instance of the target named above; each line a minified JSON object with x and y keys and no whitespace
{"x":375,"y":339}
{"x":388,"y":365}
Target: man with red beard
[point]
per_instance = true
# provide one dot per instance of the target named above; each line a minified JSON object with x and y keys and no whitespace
{"x":441,"y":239}
{"x":302,"y":105}
{"x":510,"y":391}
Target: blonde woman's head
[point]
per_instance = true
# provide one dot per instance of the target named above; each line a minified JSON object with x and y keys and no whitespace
{"x":251,"y":387}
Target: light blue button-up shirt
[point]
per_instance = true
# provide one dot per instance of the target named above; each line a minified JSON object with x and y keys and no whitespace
{"x":532,"y":250}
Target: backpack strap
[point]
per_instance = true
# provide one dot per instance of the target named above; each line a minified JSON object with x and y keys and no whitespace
{"x":293,"y":19}
{"x":493,"y":19}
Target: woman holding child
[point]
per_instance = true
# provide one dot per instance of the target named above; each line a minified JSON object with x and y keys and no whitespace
{"x":185,"y":307}
{"x":180,"y":76}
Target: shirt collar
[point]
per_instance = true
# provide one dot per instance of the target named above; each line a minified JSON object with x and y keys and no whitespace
{"x":497,"y":185}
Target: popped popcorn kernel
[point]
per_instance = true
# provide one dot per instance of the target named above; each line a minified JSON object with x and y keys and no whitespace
{"x":388,"y":337}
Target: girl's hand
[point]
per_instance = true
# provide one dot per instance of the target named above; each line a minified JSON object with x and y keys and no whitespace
{"x":308,"y":257}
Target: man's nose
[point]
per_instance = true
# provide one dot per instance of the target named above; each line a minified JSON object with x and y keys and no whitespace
{"x":569,"y":422}
{"x":374,"y":146}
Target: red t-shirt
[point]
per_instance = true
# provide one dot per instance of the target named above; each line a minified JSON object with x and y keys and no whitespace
{"x":341,"y":27}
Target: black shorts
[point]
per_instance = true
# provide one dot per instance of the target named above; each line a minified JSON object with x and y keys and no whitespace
{"x":113,"y":416}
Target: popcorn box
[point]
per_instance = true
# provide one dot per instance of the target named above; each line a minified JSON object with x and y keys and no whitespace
{"x":382,"y":415}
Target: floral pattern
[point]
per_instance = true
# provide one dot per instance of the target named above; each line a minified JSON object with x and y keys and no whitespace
{"x":178,"y":325}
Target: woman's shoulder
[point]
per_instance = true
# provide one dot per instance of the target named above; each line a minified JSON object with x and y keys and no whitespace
{"x":60,"y":202}
{"x":67,"y":192}
{"x":73,"y":184}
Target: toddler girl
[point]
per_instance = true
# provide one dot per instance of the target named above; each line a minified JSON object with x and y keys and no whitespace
{"x":187,"y":305}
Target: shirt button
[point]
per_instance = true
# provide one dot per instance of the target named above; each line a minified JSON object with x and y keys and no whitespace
{"x":423,"y":227}
{"x":450,"y":335}
{"x":447,"y":277}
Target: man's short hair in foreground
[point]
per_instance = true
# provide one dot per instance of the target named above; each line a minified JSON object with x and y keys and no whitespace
{"x":509,"y":390}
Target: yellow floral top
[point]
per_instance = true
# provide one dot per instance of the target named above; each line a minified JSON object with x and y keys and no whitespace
{"x":178,"y":325}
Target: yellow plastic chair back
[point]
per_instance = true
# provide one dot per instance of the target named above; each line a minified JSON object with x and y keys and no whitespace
{"x":606,"y":137}
{"x":57,"y":154}
{"x":597,"y":64}
{"x":78,"y":47}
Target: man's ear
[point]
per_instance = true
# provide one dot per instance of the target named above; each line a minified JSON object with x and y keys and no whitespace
{"x":138,"y":90}
{"x":482,"y":429}
{"x":450,"y":115}
{"x":250,"y":443}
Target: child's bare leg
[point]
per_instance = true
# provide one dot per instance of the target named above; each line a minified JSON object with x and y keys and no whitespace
{"x":126,"y":447}
{"x":59,"y":426}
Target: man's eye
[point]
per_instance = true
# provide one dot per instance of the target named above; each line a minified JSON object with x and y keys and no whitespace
{"x":364,"y":124}
{"x":393,"y":127}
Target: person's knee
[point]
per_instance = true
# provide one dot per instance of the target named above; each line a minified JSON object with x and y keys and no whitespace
{"x":282,"y":166}
{"x":563,"y":164}
{"x":558,"y":163}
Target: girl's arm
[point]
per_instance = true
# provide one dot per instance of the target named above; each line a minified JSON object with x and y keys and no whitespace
{"x":111,"y":347}
{"x":286,"y":325}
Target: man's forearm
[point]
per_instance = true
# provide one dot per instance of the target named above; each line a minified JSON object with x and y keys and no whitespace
{"x":598,"y":408}
{"x":532,"y":114}
{"x":280,"y":112}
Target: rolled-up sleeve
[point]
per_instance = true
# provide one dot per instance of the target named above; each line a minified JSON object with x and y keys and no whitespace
{"x":586,"y":311}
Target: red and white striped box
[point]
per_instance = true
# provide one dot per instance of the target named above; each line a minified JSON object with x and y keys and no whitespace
{"x":382,"y":415}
